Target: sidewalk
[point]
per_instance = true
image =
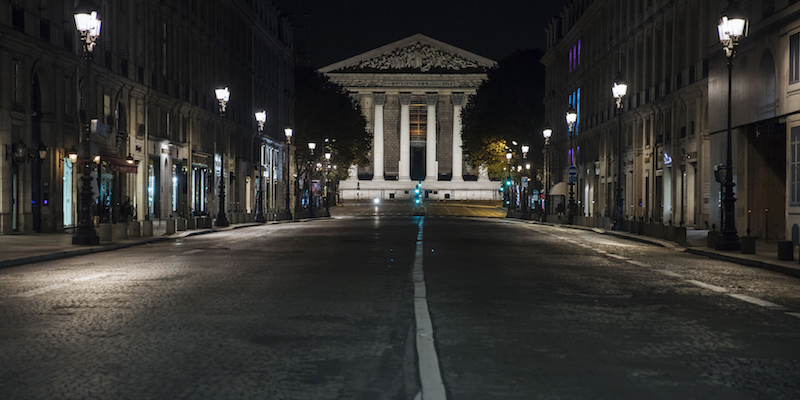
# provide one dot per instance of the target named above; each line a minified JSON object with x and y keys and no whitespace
{"x":21,"y":249}
{"x":766,"y":256}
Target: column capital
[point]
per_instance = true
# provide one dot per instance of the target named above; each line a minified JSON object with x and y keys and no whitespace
{"x":431,"y":98}
{"x":405,"y":99}
{"x":379,"y":98}
{"x":457,"y":99}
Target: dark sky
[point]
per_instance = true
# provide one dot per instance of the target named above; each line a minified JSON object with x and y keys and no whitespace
{"x":334,"y":30}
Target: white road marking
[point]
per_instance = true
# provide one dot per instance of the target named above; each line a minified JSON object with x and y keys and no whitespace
{"x":90,"y":277}
{"x":794,"y":314}
{"x":45,"y":289}
{"x":429,"y":374}
{"x":639,"y":263}
{"x":192,"y":251}
{"x":618,"y":257}
{"x":669,"y":273}
{"x":41,"y":290}
{"x":704,"y":285}
{"x":756,"y":301}
{"x":601,"y":251}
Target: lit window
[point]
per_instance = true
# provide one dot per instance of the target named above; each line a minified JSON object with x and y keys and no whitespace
{"x":794,"y":58}
{"x":418,"y":120}
{"x":795,"y":168}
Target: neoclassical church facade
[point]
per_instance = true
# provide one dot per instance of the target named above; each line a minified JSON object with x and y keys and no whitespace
{"x":412,"y":92}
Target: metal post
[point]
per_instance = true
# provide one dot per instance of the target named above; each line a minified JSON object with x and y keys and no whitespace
{"x":571,"y":207}
{"x":85,"y":233}
{"x":729,"y":238}
{"x":619,"y":219}
{"x":260,"y":190}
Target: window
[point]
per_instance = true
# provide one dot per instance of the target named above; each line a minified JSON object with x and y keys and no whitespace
{"x":418,"y":121}
{"x":795,"y":168}
{"x":16,"y":81}
{"x":794,"y":58}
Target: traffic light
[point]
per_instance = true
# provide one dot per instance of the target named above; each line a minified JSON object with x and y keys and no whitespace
{"x":508,"y":182}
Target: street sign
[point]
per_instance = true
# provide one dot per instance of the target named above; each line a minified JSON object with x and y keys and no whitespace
{"x":524,"y":181}
{"x":535,"y":192}
{"x":572,"y":171}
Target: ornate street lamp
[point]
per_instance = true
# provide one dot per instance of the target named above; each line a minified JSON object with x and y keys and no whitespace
{"x":525,"y":191}
{"x":546,"y":132}
{"x":572,"y":118}
{"x":223,"y":95}
{"x":311,"y":147}
{"x":88,"y":24}
{"x":732,"y":26}
{"x":619,"y":89}
{"x":508,"y":180}
{"x":73,"y":155}
{"x":261,"y":118}
{"x":289,"y":153}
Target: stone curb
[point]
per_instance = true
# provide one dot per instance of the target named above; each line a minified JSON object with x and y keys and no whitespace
{"x":691,"y":250}
{"x":117,"y":246}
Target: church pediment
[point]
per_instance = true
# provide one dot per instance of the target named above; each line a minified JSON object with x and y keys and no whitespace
{"x":416,"y":54}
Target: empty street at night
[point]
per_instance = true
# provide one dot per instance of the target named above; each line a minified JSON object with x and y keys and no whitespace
{"x":331,"y":309}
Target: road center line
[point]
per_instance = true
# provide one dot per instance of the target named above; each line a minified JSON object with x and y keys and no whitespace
{"x":192,"y":251}
{"x":756,"y":301}
{"x":704,"y":285}
{"x":670,"y":273}
{"x":618,"y":257}
{"x":429,"y":374}
{"x":639,"y":263}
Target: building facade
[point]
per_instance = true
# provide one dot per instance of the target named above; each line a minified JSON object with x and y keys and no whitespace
{"x":675,"y":113}
{"x":151,"y":87}
{"x":412,"y":92}
{"x":661,"y":48}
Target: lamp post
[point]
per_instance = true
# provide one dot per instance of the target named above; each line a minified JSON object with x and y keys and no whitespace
{"x":311,"y":147}
{"x":223,"y":95}
{"x":525,"y":192}
{"x":546,"y":132}
{"x":261,"y":118}
{"x":619,"y":89}
{"x":572,"y":117}
{"x":732,"y":26}
{"x":289,"y":152}
{"x":327,"y":182}
{"x":508,"y":181}
{"x":88,"y":25}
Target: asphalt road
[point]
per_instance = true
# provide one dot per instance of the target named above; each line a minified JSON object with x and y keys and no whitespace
{"x":329,"y":309}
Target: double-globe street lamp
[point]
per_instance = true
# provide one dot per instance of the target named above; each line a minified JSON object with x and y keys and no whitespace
{"x":88,"y":24}
{"x":261,"y":118}
{"x":311,"y":147}
{"x":732,"y":26}
{"x":223,"y":96}
{"x":546,"y":133}
{"x":288,"y":132}
{"x":619,"y":89}
{"x":572,"y":118}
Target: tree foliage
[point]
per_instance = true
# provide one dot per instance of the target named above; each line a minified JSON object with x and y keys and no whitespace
{"x":507,"y":107}
{"x":324,"y":113}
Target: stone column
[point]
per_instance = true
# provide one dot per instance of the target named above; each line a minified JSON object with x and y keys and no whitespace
{"x":430,"y":147}
{"x":377,"y":143}
{"x":405,"y":137}
{"x":458,"y":174}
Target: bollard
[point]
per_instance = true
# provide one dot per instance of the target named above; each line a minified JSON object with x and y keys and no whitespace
{"x":748,"y":244}
{"x":680,"y":235}
{"x":119,"y":231}
{"x":147,"y":228}
{"x":785,"y":250}
{"x":181,"y":224}
{"x":170,"y":226}
{"x":134,"y":229}
{"x":713,"y":238}
{"x":191,"y":223}
{"x":104,"y":232}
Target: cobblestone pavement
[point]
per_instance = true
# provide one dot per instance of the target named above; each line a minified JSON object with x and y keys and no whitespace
{"x":325,"y":310}
{"x":535,"y":312}
{"x":294,"y":311}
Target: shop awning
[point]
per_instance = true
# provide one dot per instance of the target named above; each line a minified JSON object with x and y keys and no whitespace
{"x":116,"y":164}
{"x":559,"y":189}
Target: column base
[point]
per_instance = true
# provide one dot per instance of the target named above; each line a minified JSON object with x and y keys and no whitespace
{"x":457,"y":179}
{"x":378,"y":179}
{"x":431,"y":178}
{"x":404,"y":179}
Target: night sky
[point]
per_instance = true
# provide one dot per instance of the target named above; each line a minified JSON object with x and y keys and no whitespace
{"x":331,"y":31}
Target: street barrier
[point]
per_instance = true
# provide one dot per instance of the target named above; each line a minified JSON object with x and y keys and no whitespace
{"x":134,"y":229}
{"x":104,"y":232}
{"x":119,"y":231}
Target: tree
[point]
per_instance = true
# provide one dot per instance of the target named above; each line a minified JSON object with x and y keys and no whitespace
{"x":507,"y":107}
{"x":324,"y":113}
